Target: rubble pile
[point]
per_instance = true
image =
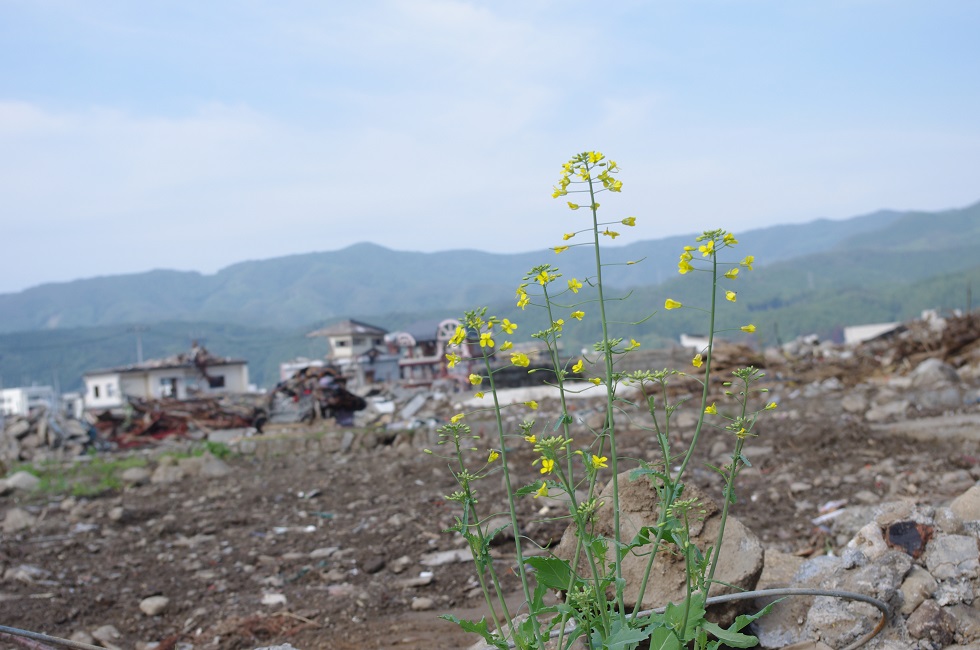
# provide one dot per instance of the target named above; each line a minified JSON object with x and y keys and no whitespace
{"x":42,"y":433}
{"x":143,"y":421}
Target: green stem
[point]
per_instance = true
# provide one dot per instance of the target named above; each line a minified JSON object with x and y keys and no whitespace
{"x":510,"y":502}
{"x":609,"y":427}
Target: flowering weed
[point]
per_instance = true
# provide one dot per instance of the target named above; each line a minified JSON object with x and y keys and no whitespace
{"x":592,"y":610}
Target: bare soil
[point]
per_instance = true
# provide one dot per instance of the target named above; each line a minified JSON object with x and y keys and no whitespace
{"x":216,"y":546}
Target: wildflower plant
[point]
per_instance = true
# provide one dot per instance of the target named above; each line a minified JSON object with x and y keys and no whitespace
{"x":592,"y":609}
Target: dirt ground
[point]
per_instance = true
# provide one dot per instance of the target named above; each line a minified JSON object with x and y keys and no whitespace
{"x":216,"y":546}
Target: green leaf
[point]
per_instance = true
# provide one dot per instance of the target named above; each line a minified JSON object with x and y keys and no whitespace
{"x":480,"y":628}
{"x":731,"y":638}
{"x":663,"y":639}
{"x":674,"y":616}
{"x":551,"y":571}
{"x":527,"y":489}
{"x":625,"y":638}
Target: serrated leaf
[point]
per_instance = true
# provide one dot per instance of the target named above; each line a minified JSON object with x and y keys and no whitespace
{"x":551,"y":571}
{"x":527,"y":489}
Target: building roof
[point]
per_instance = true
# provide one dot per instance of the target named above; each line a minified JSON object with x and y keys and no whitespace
{"x":348,"y":327}
{"x":195,"y":358}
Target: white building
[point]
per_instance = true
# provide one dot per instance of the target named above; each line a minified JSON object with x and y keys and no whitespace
{"x":360,"y":352}
{"x":20,"y":401}
{"x":185,"y":376}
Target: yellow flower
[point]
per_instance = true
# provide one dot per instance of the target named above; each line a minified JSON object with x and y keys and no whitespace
{"x":672,"y":304}
{"x":478,"y":395}
{"x":486,"y":339}
{"x":458,"y":336}
{"x":493,"y":456}
{"x":730,"y":296}
{"x":599,"y":462}
{"x":770,"y":406}
{"x":508,"y":326}
{"x":506,"y":345}
{"x":573,"y":206}
{"x":732,"y":274}
{"x":594,"y":157}
{"x":456,"y":418}
{"x":523,"y":300}
{"x":560,"y":249}
{"x":453,"y":359}
{"x":577,"y":368}
{"x":747,"y":262}
{"x":520,"y":359}
{"x":711,"y":409}
{"x":578,"y":315}
{"x":558,"y":324}
{"x":574,"y":285}
{"x":697,"y":362}
{"x":476,"y":380}
{"x":542,"y":491}
{"x":688,"y":249}
{"x":596,"y":381}
{"x":616,"y":186}
{"x":547,"y":466}
{"x":612,"y":234}
{"x":707,"y":249}
{"x":531,"y":438}
{"x":633,"y":345}
{"x":748,"y":328}
{"x":629,"y":221}
{"x":531,"y":404}
{"x":567,"y":236}
{"x":684,"y":267}
{"x":543,"y":278}
{"x":730,"y":239}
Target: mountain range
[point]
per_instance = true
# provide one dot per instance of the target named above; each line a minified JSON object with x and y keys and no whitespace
{"x":813,"y":277}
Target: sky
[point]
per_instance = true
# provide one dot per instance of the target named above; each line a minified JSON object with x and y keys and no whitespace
{"x":193,"y":135}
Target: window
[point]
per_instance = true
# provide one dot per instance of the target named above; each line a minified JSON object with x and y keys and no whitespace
{"x":216,"y":382}
{"x":95,"y":392}
{"x":110,"y":390}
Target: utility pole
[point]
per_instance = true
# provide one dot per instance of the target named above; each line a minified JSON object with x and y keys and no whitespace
{"x":139,"y":329}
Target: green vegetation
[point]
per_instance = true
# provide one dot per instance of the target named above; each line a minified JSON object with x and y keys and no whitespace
{"x":88,"y":477}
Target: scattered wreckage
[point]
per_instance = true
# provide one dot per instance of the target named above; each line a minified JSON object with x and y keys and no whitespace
{"x":317,"y":393}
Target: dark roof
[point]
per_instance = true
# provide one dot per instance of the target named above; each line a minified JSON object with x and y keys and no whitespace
{"x":345,"y":327}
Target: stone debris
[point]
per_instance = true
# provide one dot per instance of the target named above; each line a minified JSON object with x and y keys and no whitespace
{"x":930,"y":589}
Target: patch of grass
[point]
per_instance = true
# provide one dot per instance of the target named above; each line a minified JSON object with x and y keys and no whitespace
{"x":83,"y":478}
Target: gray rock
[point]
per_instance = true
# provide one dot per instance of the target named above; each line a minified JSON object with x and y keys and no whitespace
{"x":932,"y":622}
{"x":918,"y":586}
{"x":869,"y":544}
{"x":136,"y":476}
{"x":952,"y":556}
{"x":879,"y":413}
{"x":24,"y":481}
{"x":422,"y":604}
{"x":952,"y":592}
{"x":967,"y":621}
{"x":854,"y":403}
{"x":18,"y":519}
{"x":838,"y":622}
{"x":967,"y":505}
{"x":932,"y":372}
{"x":154,"y":605}
{"x":439,"y":558}
{"x":167,"y":474}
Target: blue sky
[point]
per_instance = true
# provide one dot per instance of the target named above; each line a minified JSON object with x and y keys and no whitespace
{"x":193,"y":135}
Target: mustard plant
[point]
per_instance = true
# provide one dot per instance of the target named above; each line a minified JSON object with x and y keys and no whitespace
{"x":572,"y":463}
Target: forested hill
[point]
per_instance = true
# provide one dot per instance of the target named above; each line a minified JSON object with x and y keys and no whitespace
{"x":366,"y":279}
